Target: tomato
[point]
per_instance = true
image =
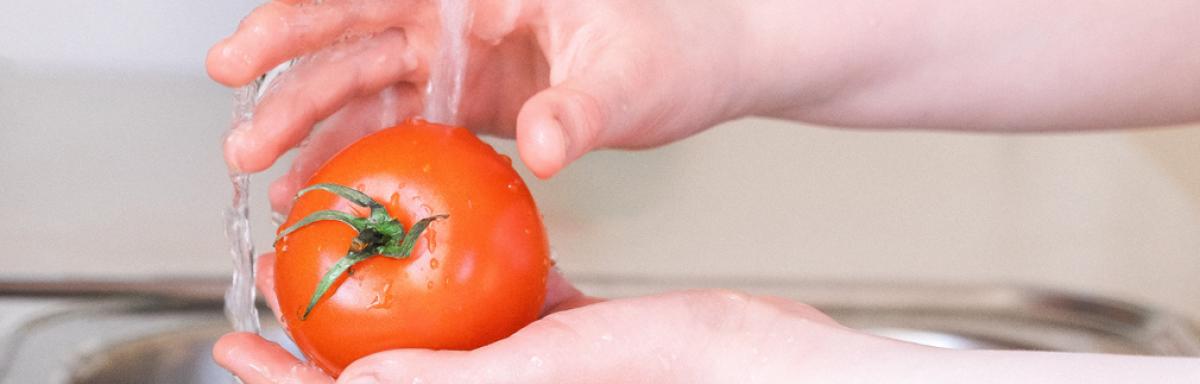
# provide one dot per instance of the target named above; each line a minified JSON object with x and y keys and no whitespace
{"x":475,"y":275}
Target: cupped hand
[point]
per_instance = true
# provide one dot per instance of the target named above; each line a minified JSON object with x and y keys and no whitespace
{"x":683,"y":337}
{"x":563,"y":77}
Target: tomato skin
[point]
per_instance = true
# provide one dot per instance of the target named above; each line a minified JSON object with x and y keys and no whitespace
{"x":473,"y":278}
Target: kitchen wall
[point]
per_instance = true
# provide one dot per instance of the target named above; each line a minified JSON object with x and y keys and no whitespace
{"x":110,"y":168}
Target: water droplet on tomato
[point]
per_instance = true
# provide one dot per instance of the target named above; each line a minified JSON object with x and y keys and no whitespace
{"x":433,"y":263}
{"x":425,"y":168}
{"x":506,"y":159}
{"x":395,"y":200}
{"x":512,"y":186}
{"x":429,"y":284}
{"x":427,"y":209}
{"x":431,"y":239}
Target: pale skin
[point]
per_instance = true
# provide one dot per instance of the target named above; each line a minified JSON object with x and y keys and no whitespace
{"x":567,"y":77}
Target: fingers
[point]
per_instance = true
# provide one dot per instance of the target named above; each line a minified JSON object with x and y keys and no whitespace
{"x":316,"y":88}
{"x":495,"y":19}
{"x":799,"y":309}
{"x":278,"y":31}
{"x":557,"y":126}
{"x":561,"y":295}
{"x":358,"y":118}
{"x":258,"y":361}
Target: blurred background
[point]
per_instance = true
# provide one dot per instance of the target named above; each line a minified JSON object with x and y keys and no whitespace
{"x":110,"y":168}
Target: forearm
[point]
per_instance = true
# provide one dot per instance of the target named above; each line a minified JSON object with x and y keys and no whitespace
{"x":986,"y":65}
{"x":856,"y":360}
{"x":945,"y":366}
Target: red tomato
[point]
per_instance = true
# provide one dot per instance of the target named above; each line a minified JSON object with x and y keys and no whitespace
{"x":472,"y":278}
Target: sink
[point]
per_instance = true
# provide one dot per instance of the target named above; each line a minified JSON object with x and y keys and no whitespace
{"x":162,"y":332}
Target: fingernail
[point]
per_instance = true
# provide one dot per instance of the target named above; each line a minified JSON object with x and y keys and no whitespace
{"x":551,"y":144}
{"x":237,"y":143}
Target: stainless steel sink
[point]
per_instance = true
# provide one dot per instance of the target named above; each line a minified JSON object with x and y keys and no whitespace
{"x":162,"y":331}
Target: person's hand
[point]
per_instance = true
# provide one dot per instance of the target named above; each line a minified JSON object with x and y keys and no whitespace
{"x":689,"y":337}
{"x":684,"y":337}
{"x":563,"y":77}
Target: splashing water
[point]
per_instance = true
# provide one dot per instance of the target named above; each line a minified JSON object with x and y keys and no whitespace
{"x":443,"y":94}
{"x":240,"y":306}
{"x":239,"y":298}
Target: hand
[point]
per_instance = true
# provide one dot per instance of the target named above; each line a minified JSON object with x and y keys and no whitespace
{"x":564,"y":78}
{"x":685,"y":337}
{"x":690,"y":337}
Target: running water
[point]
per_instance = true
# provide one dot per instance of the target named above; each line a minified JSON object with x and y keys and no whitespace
{"x":442,"y":98}
{"x":239,"y":298}
{"x":443,"y":94}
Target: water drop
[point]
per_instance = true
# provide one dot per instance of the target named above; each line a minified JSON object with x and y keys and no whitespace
{"x":395,"y":200}
{"x":431,"y":239}
{"x":433,"y":263}
{"x":507,"y":160}
{"x":428,"y":210}
{"x":429,"y":284}
{"x":512,"y":186}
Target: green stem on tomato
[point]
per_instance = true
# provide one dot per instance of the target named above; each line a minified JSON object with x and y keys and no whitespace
{"x":354,"y":222}
{"x":331,"y":276}
{"x":378,"y":234}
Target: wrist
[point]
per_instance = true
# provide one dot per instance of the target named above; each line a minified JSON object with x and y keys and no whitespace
{"x":807,"y":59}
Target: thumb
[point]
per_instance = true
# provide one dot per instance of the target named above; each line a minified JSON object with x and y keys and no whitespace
{"x":560,"y":124}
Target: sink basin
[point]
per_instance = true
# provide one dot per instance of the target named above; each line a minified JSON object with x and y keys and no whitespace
{"x":162,"y":332}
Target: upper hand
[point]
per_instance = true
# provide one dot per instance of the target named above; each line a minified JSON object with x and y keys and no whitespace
{"x":684,"y":337}
{"x":563,"y":77}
